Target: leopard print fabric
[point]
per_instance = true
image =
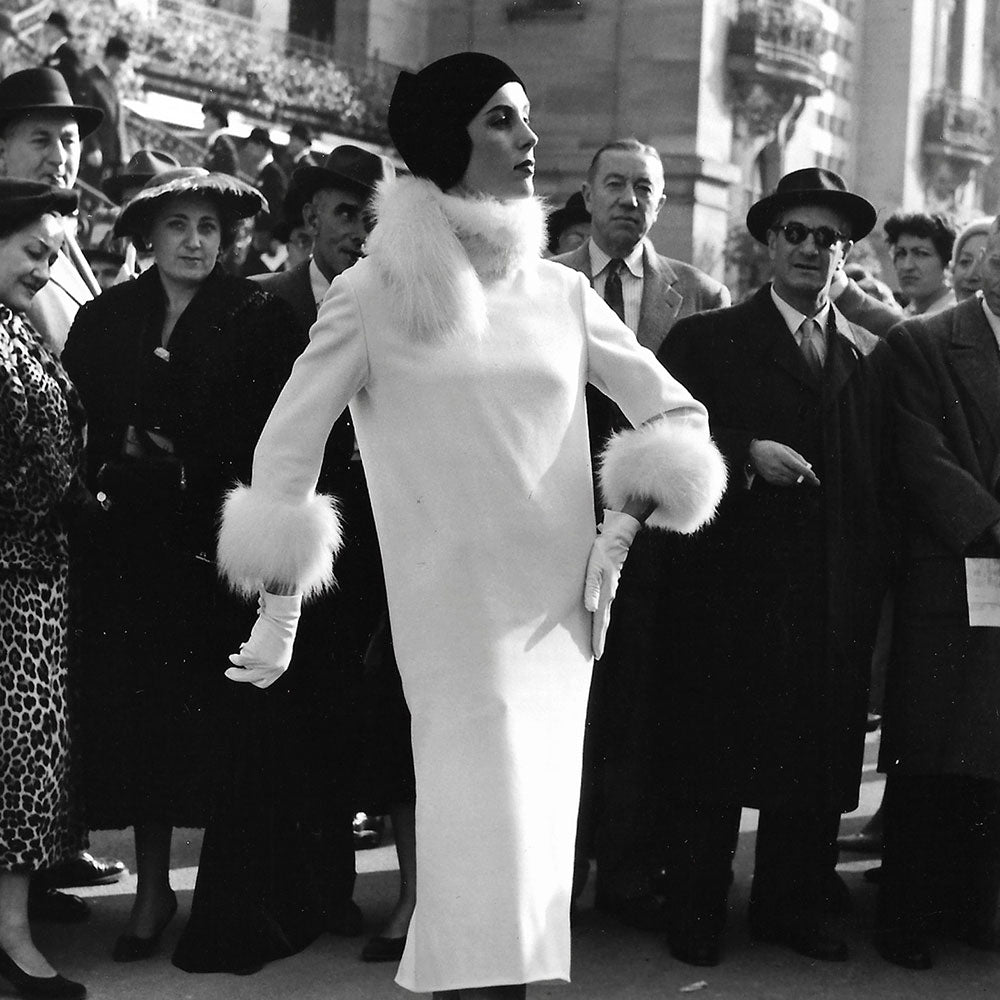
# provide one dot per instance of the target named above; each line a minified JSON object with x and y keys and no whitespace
{"x":41,"y":440}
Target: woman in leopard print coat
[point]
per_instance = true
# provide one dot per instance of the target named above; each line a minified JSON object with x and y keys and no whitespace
{"x":41,"y":447}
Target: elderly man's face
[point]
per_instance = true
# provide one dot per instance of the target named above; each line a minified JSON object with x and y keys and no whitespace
{"x":804,"y":269}
{"x":41,"y":147}
{"x":990,"y":271}
{"x":623,"y":199}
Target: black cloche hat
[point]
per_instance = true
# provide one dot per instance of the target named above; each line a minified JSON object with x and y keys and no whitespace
{"x":812,"y":186}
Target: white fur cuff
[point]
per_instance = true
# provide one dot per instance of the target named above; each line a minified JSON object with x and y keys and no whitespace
{"x":676,"y":467}
{"x":267,"y":541}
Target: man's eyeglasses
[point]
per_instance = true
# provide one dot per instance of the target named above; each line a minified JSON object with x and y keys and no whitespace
{"x":823,"y":236}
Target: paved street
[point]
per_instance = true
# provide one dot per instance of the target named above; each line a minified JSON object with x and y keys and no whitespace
{"x":609,"y":961}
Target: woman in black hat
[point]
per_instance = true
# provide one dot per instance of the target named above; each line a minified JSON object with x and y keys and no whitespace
{"x":464,"y":357}
{"x":41,"y":448}
{"x":178,"y":370}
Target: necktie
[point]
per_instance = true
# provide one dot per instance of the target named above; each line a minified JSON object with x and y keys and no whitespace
{"x":613,"y":288}
{"x":811,"y":334}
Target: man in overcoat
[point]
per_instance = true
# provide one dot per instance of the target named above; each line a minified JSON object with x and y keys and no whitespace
{"x":764,"y":623}
{"x":624,"y":193}
{"x":941,"y":737}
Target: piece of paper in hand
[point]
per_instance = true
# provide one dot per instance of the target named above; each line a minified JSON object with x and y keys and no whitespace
{"x":982,"y":586}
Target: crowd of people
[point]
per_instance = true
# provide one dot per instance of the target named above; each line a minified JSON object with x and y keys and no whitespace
{"x":323,"y":361}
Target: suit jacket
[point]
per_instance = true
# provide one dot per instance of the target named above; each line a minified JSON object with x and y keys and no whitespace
{"x":763,"y":623}
{"x":110,"y":135}
{"x":272,"y":184}
{"x":943,"y":695}
{"x":671,"y":290}
{"x":221,"y":156}
{"x":71,"y":283}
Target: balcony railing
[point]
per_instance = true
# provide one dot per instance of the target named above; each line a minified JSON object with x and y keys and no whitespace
{"x":960,"y":127}
{"x":779,"y":41}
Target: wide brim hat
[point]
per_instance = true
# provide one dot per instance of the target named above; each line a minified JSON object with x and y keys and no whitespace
{"x":21,"y":201}
{"x":235,"y":198}
{"x":572,"y":213}
{"x":142,"y":168}
{"x":348,"y":167}
{"x":43,"y":90}
{"x":812,"y":186}
{"x":429,"y":112}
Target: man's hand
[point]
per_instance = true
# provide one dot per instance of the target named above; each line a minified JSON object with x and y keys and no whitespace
{"x":780,"y":465}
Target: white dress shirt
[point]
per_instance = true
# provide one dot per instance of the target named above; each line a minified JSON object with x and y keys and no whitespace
{"x":794,"y":320}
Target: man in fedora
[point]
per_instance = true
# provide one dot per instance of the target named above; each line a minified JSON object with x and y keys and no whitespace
{"x":300,"y":152}
{"x":767,"y":617}
{"x":323,"y":698}
{"x":40,"y":133}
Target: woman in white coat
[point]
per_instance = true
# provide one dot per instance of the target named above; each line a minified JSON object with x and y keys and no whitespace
{"x":464,"y":357}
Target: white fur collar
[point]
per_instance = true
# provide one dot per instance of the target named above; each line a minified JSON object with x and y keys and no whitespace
{"x":437,"y":250}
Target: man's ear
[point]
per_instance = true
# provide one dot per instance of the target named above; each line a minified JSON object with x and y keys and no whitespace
{"x":585,"y":191}
{"x":310,"y":217}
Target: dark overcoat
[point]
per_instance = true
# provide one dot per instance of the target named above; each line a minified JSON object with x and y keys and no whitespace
{"x":763,"y":623}
{"x":943,"y":696}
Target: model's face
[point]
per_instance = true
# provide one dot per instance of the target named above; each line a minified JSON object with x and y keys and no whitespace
{"x":336,"y":219}
{"x":919,"y":269}
{"x":624,"y":198}
{"x":25,"y":259}
{"x":965,"y":273}
{"x":573,"y":236}
{"x":990,"y":273}
{"x":502,"y":161}
{"x":803,"y":271}
{"x":185,"y":237}
{"x":42,"y":147}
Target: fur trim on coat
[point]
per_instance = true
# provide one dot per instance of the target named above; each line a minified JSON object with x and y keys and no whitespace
{"x":436,"y":250}
{"x":676,"y":467}
{"x":270,"y":543}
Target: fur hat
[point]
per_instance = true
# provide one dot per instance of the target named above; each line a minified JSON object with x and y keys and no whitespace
{"x":430,"y":110}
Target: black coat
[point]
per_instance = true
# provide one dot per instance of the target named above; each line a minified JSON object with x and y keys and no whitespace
{"x":943,"y":691}
{"x":763,"y":623}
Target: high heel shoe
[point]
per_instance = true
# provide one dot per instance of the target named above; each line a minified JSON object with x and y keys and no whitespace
{"x":41,"y":987}
{"x":130,"y":948}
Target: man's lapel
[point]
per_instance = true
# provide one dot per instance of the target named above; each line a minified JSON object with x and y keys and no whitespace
{"x":661,"y":302}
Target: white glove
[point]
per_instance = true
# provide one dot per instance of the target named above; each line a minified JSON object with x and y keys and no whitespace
{"x":607,"y":556}
{"x":265,"y":656}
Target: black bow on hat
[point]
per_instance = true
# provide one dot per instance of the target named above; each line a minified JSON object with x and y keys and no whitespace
{"x":43,"y":90}
{"x":812,"y":186}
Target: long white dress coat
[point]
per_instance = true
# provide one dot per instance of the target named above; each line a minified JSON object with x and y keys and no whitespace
{"x":464,"y":358}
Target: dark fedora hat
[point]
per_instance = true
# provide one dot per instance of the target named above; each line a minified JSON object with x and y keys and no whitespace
{"x":261,"y":136}
{"x":573,"y":212}
{"x":143,"y":167}
{"x":21,"y":201}
{"x":302,"y":132}
{"x":235,"y":198}
{"x":347,"y":167}
{"x":43,"y":90}
{"x":812,"y":186}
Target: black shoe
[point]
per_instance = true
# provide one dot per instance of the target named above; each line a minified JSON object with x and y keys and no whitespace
{"x":383,"y":949}
{"x":49,"y":905}
{"x":44,"y":987}
{"x":862,"y":842}
{"x":344,"y":919}
{"x":905,"y":950}
{"x":82,"y":870}
{"x":703,"y":951}
{"x":800,"y":937}
{"x":645,"y":913}
{"x":129,"y":948}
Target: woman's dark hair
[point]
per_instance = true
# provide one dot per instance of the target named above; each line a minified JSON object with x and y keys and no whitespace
{"x":937,"y":228}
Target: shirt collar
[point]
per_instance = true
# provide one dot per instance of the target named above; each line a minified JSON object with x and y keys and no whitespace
{"x":793,"y":318}
{"x":599,"y":260}
{"x":317,"y":282}
{"x":992,"y":319}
